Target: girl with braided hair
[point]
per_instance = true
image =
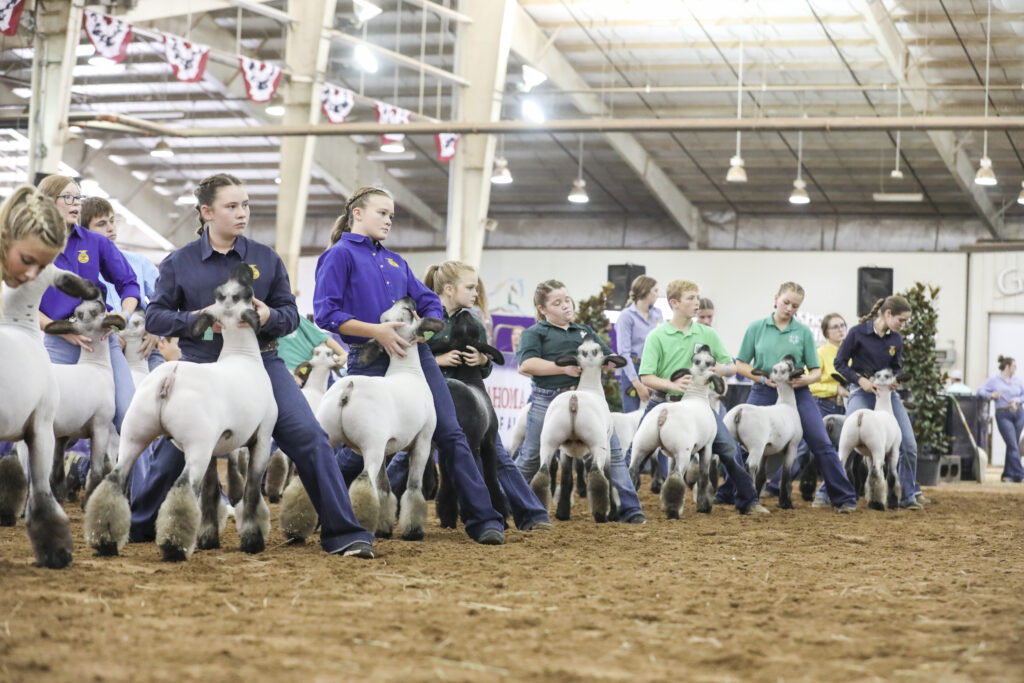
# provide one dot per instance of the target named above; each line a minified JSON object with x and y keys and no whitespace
{"x":357,"y":279}
{"x":32,"y":234}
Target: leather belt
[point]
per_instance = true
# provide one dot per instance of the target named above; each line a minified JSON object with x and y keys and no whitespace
{"x":269,"y":346}
{"x":664,"y":397}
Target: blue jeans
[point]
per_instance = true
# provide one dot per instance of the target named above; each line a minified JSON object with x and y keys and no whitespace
{"x":522,"y":501}
{"x":298,"y":434}
{"x":827,"y":407}
{"x":455,"y":457}
{"x":837,"y":485}
{"x":529,"y":454}
{"x":1010,"y":424}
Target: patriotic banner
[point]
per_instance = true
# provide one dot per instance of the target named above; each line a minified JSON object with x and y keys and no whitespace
{"x":388,"y":113}
{"x":108,"y":35}
{"x":187,"y":60}
{"x":446,"y":144}
{"x":10,"y":16}
{"x":337,"y":103}
{"x":261,"y":79}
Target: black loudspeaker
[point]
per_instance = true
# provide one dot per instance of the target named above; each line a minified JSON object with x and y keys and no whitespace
{"x":622,"y":277}
{"x":872,"y":284}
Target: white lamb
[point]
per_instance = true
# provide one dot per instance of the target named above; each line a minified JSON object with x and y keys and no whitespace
{"x":30,"y":402}
{"x":579,"y":423}
{"x":876,"y":435}
{"x":86,"y":407}
{"x":208,"y":409}
{"x":681,"y":429}
{"x":379,"y":416}
{"x":765,"y":430}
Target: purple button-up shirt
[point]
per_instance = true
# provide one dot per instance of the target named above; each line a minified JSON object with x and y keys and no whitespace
{"x":88,"y":254}
{"x":359,"y":279}
{"x":1014,"y":389}
{"x":631,"y":331}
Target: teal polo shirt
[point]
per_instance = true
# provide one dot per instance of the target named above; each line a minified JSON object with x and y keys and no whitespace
{"x":764,"y":345}
{"x":548,"y":342}
{"x":297,"y":347}
{"x":668,"y":349}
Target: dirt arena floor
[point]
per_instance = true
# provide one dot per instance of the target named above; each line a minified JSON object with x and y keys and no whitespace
{"x":806,"y":594}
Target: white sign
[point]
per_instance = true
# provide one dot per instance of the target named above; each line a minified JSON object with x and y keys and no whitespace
{"x":509,"y":392}
{"x":1010,"y":282}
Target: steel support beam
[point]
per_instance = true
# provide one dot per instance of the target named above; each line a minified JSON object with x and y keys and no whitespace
{"x":897,"y":56}
{"x":59,"y":26}
{"x":481,"y":53}
{"x":530,"y":43}
{"x":305,"y":52}
{"x":150,"y":10}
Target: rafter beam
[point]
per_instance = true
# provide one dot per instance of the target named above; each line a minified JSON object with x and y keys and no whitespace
{"x":150,"y":10}
{"x":896,"y":54}
{"x":530,"y":43}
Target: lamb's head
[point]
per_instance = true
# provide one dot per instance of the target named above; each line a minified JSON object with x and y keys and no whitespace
{"x":884,"y":378}
{"x":702,"y":368}
{"x":136,"y":325}
{"x":465,"y":333}
{"x":90,"y":319}
{"x":784,"y":372}
{"x":589,"y":354}
{"x":232,"y":304}
{"x":413,"y":329}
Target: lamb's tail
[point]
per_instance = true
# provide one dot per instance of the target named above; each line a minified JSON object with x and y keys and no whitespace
{"x":168,"y":383}
{"x":346,"y":394}
{"x":860,"y":420}
{"x":574,"y":408}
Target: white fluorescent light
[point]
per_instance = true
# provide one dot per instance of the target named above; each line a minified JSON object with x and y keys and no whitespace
{"x":139,"y":175}
{"x":275,"y":110}
{"x":94,"y":143}
{"x":532,"y":78}
{"x":799,"y":195}
{"x":366,"y":60}
{"x":91,"y":188}
{"x":23,"y":93}
{"x":98,"y":60}
{"x":985,"y":175}
{"x":117,"y":159}
{"x":532,"y":111}
{"x":578,"y":194}
{"x":1020,"y":197}
{"x":162,"y":150}
{"x":187,"y":199}
{"x":393,"y":145}
{"x":404,"y":156}
{"x":365,"y":10}
{"x":898,"y":196}
{"x":165,"y":191}
{"x":736,"y":174}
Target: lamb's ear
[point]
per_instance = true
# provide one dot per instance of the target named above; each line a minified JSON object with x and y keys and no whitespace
{"x":903,"y":377}
{"x":843,"y":382}
{"x":790,"y":359}
{"x":113,"y":322}
{"x":759,"y":372}
{"x":701,"y":347}
{"x":201,"y":324}
{"x":718,"y":384}
{"x":496,"y":356}
{"x":683,"y":372}
{"x":242,"y":274}
{"x":75,"y":286}
{"x":566,"y":361}
{"x":370,"y":352}
{"x":303,"y":369}
{"x":431,"y":325}
{"x":799,"y":372}
{"x":615,"y":359}
{"x":251,"y":318}
{"x":58,"y":327}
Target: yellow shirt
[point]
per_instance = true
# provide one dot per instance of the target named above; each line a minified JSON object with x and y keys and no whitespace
{"x":827,"y":387}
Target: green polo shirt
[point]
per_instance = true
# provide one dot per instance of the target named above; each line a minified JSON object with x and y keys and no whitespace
{"x":548,"y":342}
{"x":668,"y":349}
{"x":764,"y":345}
{"x":298,"y":346}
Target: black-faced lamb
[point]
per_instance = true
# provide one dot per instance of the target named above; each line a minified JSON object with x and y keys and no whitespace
{"x":208,"y":409}
{"x":765,"y":430}
{"x":27,"y":412}
{"x":579,"y":423}
{"x":682,"y":429}
{"x":379,"y":416}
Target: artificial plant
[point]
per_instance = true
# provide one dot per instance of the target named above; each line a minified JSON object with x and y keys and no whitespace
{"x":927,"y":404}
{"x":590,"y":312}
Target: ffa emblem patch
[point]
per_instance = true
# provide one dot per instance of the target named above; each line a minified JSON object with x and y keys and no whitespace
{"x":392,"y":262}
{"x":892,"y":350}
{"x":794,"y":338}
{"x":255,"y":272}
{"x":83,"y":256}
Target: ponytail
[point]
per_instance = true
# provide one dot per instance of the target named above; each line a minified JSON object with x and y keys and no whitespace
{"x":1004,"y":362}
{"x":358,"y":200}
{"x":895,"y":304}
{"x":540,"y":295}
{"x":206,"y":193}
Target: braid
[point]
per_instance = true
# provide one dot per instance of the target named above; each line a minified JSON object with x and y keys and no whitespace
{"x":356,"y":201}
{"x":874,"y":310}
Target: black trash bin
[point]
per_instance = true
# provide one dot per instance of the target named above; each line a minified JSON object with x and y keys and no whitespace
{"x":976,"y":412}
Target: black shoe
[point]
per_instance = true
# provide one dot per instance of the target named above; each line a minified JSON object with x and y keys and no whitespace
{"x":491,"y":537}
{"x":638,"y":518}
{"x":360,"y":549}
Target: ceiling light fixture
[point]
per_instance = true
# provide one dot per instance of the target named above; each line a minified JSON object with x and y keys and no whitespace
{"x":162,"y":150}
{"x":898,"y":196}
{"x":393,"y":145}
{"x":578,"y":194}
{"x":799,"y":194}
{"x":366,"y":60}
{"x":737,"y":174}
{"x":1020,"y":197}
{"x":531,"y":78}
{"x":532,"y":111}
{"x":23,"y":93}
{"x":985,"y":175}
{"x":364,"y":10}
{"x":275,"y":110}
{"x":896,"y":173}
{"x":94,"y":143}
{"x":501,"y":174}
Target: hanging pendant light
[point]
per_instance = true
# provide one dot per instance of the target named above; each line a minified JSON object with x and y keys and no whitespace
{"x":578,"y":194}
{"x":737,"y":174}
{"x":896,"y":173}
{"x":799,"y":194}
{"x":162,"y":150}
{"x":1020,"y":197}
{"x":985,"y":175}
{"x":501,"y":175}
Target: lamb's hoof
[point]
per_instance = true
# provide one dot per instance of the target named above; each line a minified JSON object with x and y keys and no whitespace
{"x":655,"y":486}
{"x":252,"y":542}
{"x":106,"y":549}
{"x":413,"y":535}
{"x":208,"y":541}
{"x":600,"y":517}
{"x":8,"y":518}
{"x":562,"y":515}
{"x":172,"y":553}
{"x":671,"y":514}
{"x":54,"y":558}
{"x":875,"y":505}
{"x":413,"y":516}
{"x":383,"y":533}
{"x":704,"y":507}
{"x":785,"y":504}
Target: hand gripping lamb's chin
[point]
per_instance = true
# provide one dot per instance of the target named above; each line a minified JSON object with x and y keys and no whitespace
{"x":208,"y":409}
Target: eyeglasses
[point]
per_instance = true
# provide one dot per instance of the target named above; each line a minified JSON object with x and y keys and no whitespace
{"x":837,"y":326}
{"x":71,"y":199}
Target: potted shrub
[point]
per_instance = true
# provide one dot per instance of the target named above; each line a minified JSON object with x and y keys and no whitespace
{"x":590,"y":312}
{"x":927,"y":403}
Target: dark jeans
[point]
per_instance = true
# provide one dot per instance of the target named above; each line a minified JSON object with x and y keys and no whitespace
{"x":1010,"y":424}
